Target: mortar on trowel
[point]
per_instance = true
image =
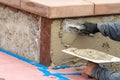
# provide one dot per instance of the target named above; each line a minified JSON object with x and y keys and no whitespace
{"x":71,"y":26}
{"x":86,"y":54}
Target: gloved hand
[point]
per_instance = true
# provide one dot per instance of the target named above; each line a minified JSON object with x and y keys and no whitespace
{"x":89,"y":67}
{"x":89,"y":28}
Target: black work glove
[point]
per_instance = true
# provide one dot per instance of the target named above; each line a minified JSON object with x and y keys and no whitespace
{"x":89,"y":28}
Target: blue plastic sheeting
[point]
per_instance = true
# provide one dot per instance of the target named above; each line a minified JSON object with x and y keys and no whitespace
{"x":57,"y":75}
{"x":61,"y":67}
{"x":69,"y":74}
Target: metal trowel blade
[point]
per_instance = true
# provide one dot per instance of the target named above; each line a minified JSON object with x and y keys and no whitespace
{"x":72,"y":26}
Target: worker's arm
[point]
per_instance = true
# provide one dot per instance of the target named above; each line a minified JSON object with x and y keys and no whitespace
{"x":111,"y":30}
{"x":100,"y":73}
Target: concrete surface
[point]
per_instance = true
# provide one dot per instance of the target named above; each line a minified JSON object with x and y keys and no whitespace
{"x":19,"y":32}
{"x":12,"y":68}
{"x":61,"y":40}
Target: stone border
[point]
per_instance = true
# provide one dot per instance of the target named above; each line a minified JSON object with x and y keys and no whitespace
{"x":63,"y":8}
{"x":45,"y":40}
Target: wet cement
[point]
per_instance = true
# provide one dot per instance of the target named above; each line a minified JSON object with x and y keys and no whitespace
{"x":61,"y":40}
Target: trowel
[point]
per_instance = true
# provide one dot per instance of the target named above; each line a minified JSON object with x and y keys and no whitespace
{"x":92,"y":55}
{"x":72,"y":26}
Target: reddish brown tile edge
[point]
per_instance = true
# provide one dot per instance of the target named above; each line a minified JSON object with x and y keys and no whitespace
{"x":45,"y":39}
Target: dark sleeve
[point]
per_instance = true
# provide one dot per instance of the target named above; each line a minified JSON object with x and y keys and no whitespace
{"x":111,"y":30}
{"x":103,"y":74}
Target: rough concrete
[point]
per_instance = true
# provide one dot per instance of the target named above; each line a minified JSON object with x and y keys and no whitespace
{"x":19,"y":32}
{"x":61,"y":40}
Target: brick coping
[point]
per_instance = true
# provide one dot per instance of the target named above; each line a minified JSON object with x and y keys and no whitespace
{"x":66,"y":8}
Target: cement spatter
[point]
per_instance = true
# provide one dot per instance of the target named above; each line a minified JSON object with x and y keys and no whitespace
{"x":61,"y":40}
{"x":19,"y":32}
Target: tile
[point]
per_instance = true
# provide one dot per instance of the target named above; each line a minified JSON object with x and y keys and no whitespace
{"x":16,"y":69}
{"x":58,"y":8}
{"x":14,"y":3}
{"x":106,"y":6}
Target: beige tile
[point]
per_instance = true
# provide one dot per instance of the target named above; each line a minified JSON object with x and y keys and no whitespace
{"x":35,"y":6}
{"x":14,"y":3}
{"x":106,"y":6}
{"x":66,"y":8}
{"x":58,"y":8}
